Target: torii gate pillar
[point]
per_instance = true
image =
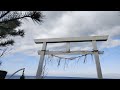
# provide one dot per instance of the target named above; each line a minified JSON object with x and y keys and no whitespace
{"x":97,"y":61}
{"x":40,"y":66}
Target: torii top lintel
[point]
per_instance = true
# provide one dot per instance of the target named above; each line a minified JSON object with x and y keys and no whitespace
{"x":72,"y":39}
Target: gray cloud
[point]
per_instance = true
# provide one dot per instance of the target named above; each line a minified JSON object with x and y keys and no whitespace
{"x":71,"y":24}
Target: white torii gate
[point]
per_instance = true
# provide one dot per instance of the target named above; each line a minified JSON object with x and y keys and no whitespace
{"x":92,"y":39}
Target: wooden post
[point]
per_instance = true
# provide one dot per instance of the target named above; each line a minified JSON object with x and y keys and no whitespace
{"x":40,"y":67}
{"x":96,"y":55}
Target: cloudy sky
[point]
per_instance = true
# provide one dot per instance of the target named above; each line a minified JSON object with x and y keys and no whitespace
{"x":58,"y":24}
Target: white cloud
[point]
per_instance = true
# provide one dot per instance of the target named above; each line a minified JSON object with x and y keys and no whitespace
{"x":70,"y":24}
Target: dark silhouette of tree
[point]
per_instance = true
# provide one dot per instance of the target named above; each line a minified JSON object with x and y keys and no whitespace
{"x":10,"y":21}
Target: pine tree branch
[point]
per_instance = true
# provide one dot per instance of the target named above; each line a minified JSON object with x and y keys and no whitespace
{"x":4,"y":14}
{"x":13,"y":19}
{"x":6,"y":43}
{"x":34,"y":16}
{"x":9,"y":21}
{"x":17,"y":33}
{"x":3,"y":52}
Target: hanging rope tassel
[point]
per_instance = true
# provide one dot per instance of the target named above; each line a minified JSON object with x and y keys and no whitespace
{"x":59,"y":62}
{"x":85,"y":58}
{"x":79,"y":58}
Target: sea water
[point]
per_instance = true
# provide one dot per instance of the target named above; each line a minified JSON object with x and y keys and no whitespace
{"x":48,"y":77}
